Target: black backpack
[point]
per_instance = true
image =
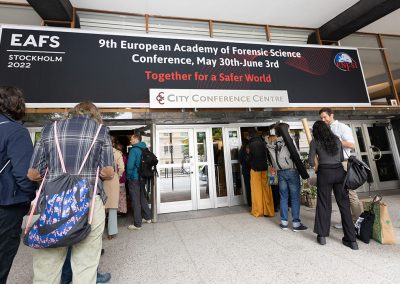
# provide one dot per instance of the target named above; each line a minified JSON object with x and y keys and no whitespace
{"x":356,"y":173}
{"x":148,"y":163}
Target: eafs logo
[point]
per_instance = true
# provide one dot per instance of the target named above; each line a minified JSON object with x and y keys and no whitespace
{"x":344,"y":62}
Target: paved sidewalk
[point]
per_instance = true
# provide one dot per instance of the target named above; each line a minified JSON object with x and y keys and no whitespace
{"x":228,"y":245}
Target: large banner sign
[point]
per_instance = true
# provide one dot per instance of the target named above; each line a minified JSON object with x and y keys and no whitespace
{"x":60,"y":67}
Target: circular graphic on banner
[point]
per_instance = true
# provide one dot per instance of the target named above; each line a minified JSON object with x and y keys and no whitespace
{"x":344,"y":62}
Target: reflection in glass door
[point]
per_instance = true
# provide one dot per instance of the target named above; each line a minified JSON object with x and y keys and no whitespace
{"x":175,"y":183}
{"x":380,"y":151}
{"x":198,"y":168}
{"x":362,"y":149}
{"x":203,"y":169}
{"x":375,"y":148}
{"x":228,"y":183}
{"x":219,"y":162}
{"x":233,"y":139}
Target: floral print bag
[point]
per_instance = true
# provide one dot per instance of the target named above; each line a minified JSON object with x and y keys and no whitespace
{"x":66,"y":213}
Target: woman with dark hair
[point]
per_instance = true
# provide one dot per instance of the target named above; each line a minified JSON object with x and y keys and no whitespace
{"x":330,"y":174}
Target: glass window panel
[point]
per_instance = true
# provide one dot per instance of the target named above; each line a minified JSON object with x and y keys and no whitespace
{"x":241,"y":32}
{"x":219,"y":162}
{"x":360,"y":139}
{"x":234,"y":144}
{"x":386,"y":168}
{"x":112,"y":23}
{"x":375,"y":72}
{"x":174,"y":148}
{"x":376,"y":76}
{"x":178,"y":27}
{"x":360,"y":40}
{"x":203,"y":182}
{"x":287,"y":35}
{"x":174,"y":184}
{"x":201,"y":147}
{"x":392,"y":46}
{"x":379,"y":138}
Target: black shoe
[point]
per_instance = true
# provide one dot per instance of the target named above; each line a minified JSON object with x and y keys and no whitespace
{"x":321,"y":240}
{"x":300,"y":228}
{"x":352,"y":245}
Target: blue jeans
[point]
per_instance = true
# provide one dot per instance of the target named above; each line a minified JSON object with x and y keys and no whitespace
{"x":289,"y":184}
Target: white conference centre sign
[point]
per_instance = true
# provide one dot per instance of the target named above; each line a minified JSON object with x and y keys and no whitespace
{"x":203,"y":98}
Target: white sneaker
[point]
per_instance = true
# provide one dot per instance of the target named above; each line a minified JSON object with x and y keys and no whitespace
{"x":133,"y":227}
{"x":338,"y":226}
{"x":146,"y":221}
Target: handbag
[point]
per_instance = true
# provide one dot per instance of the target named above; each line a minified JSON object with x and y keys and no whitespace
{"x":365,"y":222}
{"x":356,"y":174}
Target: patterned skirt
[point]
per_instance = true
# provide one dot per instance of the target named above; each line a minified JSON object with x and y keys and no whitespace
{"x":122,"y":208}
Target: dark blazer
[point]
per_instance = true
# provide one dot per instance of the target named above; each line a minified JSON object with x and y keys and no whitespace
{"x":16,"y":147}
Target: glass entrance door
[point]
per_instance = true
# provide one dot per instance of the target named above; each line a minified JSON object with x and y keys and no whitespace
{"x":176,"y":183}
{"x":375,"y":143}
{"x":198,"y":168}
{"x":184,"y":181}
{"x":203,"y":169}
{"x":234,"y":143}
{"x":228,"y":182}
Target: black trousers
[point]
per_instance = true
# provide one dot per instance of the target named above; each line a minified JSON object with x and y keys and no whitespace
{"x":329,"y":177}
{"x":139,"y":202}
{"x":10,"y":235}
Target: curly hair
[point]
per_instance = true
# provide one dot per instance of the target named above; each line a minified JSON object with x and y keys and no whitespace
{"x":324,"y":136}
{"x":12,"y":102}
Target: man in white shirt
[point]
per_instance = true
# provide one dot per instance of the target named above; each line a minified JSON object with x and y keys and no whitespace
{"x":345,"y":135}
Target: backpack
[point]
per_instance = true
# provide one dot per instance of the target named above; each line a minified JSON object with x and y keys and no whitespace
{"x":64,"y":219}
{"x":356,"y":173}
{"x":148,"y":163}
{"x":280,"y":156}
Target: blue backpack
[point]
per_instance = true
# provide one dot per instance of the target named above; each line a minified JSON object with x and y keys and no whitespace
{"x":66,"y":213}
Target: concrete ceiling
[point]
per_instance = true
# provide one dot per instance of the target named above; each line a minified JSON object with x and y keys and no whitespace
{"x":298,"y":13}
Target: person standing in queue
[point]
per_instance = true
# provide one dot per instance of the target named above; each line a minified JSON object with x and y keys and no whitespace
{"x":16,"y":190}
{"x":76,"y":135}
{"x":262,"y":203}
{"x":326,"y":146}
{"x":288,"y":179}
{"x":346,"y":137}
{"x":136,"y":184}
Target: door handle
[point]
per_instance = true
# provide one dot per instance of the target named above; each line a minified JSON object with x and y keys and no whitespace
{"x":376,"y":149}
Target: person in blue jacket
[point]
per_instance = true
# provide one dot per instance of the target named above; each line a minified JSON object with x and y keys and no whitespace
{"x":16,"y":191}
{"x":136,"y":184}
